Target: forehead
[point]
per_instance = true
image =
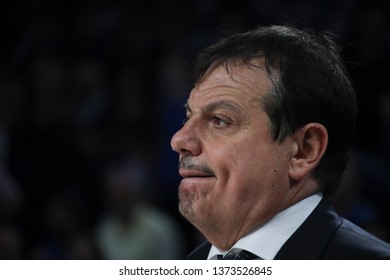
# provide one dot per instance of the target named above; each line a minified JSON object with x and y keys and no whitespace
{"x":237,"y":81}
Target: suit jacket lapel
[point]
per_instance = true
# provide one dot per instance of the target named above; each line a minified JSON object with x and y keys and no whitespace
{"x":310,"y":239}
{"x":201,"y":252}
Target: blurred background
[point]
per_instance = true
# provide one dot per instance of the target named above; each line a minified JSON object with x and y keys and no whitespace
{"x":92,"y":91}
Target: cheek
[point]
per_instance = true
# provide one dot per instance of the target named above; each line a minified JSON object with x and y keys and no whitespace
{"x":259,"y":172}
{"x":245,"y":167}
{"x":233,"y":164}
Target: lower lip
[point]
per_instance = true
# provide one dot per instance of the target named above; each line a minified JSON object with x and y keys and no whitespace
{"x":196,"y":181}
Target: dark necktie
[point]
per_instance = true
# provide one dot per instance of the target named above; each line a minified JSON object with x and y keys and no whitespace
{"x":237,"y":254}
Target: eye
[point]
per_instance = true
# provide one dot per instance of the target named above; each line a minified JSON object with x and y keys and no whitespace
{"x":185,"y":120}
{"x":220,"y":122}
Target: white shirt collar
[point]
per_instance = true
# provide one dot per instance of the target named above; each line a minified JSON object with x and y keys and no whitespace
{"x":267,"y":240}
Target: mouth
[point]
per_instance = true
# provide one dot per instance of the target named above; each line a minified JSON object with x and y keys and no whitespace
{"x":193,"y":179}
{"x":195,"y":174}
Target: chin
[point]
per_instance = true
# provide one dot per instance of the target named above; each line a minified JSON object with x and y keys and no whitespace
{"x":186,"y":205}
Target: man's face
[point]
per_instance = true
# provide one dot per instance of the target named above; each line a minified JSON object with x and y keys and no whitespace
{"x":235,"y":176}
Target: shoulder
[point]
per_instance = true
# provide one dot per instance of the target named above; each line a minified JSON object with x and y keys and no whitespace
{"x":326,"y":235}
{"x":352,"y":242}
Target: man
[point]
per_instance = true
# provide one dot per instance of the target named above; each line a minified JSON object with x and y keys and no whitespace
{"x":264,"y":144}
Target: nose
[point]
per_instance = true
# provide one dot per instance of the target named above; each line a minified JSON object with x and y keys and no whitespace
{"x":186,"y":141}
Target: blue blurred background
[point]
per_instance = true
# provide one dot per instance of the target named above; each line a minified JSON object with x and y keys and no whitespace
{"x":92,"y":91}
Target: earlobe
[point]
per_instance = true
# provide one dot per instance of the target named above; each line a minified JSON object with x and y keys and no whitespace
{"x":310,"y":144}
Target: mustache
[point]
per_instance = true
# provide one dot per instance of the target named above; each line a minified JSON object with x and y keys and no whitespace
{"x":186,"y":162}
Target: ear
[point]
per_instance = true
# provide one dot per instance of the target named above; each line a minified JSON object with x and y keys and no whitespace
{"x":310,"y":143}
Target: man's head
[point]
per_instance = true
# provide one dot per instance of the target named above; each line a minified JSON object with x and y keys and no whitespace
{"x":269,"y":122}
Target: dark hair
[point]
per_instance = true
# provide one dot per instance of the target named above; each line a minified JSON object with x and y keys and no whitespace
{"x":310,"y":81}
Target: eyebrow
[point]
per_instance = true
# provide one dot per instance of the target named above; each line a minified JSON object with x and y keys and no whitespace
{"x":221,"y":104}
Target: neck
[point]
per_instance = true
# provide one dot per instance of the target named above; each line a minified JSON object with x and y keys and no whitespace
{"x":224,"y":236}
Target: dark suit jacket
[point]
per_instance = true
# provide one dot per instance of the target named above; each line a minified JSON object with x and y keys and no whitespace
{"x":323,"y":235}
